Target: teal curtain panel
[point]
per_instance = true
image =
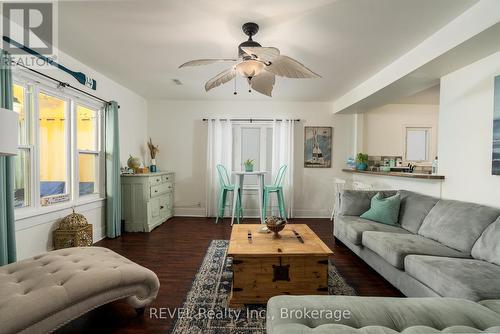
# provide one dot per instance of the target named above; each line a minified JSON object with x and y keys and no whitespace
{"x":113,"y":191}
{"x":7,"y":221}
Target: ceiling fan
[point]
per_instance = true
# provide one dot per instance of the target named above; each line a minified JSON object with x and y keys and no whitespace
{"x":259,"y":65}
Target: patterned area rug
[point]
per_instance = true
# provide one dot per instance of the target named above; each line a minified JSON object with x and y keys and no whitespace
{"x":205,"y":308}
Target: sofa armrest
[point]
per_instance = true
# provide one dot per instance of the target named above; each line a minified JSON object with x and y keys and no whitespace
{"x":356,"y":202}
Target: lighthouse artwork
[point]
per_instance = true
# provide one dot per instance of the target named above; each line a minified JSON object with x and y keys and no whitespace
{"x":317,"y":147}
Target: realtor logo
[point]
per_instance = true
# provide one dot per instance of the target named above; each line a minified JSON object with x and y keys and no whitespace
{"x":28,"y":24}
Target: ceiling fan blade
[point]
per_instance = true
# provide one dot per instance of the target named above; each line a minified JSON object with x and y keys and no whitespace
{"x":221,"y":78}
{"x":199,"y":62}
{"x":285,"y":66}
{"x":266,"y":54}
{"x":263,"y":83}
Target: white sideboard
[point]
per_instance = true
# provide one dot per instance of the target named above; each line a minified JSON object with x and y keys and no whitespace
{"x":147,"y":200}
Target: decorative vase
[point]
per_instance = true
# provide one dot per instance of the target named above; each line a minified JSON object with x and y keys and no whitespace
{"x":152,"y":167}
{"x":361,"y":166}
{"x":133,"y":162}
{"x":276,"y":225}
{"x":248,"y":168}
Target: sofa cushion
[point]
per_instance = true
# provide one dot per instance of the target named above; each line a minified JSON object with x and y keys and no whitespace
{"x":457,"y":224}
{"x":492,"y":304}
{"x":459,"y":278}
{"x":414,"y":208}
{"x":384,"y":210}
{"x":356,"y":202}
{"x":352,"y":228}
{"x":487,"y":247}
{"x":374,"y":315}
{"x":394,"y":247}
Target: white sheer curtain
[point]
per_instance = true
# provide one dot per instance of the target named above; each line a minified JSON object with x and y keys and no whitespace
{"x":219,"y":151}
{"x":283,"y":139}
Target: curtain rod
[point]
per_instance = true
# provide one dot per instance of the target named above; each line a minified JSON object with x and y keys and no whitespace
{"x":62,"y":83}
{"x":249,"y":120}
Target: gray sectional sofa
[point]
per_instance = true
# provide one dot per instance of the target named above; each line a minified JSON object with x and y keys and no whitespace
{"x":440,"y":247}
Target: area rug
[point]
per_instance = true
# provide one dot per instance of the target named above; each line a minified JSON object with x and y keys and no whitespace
{"x":205,"y":309}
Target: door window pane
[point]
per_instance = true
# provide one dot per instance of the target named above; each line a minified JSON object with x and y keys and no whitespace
{"x":250,"y":149}
{"x":87,"y":164}
{"x":22,"y":189}
{"x":269,"y":155}
{"x":53,"y":148}
{"x":86,"y":128}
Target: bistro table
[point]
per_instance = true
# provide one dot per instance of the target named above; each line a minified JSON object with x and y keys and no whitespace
{"x":240,"y":178}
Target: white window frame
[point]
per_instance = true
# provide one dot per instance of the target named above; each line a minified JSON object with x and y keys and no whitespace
{"x":99,"y":133}
{"x":429,"y":137}
{"x":39,"y":89}
{"x":28,"y":147}
{"x":33,"y":85}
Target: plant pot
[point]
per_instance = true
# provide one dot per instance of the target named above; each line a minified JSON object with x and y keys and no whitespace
{"x":361,"y":166}
{"x":248,"y":168}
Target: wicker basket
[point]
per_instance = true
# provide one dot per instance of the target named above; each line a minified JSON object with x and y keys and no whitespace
{"x":74,"y":231}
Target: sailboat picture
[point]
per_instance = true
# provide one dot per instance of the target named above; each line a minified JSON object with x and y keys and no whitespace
{"x":318,"y":146}
{"x":496,"y":129}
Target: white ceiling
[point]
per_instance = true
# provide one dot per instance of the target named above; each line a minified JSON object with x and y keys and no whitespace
{"x":140,"y":44}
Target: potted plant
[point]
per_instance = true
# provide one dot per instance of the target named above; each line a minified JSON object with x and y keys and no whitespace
{"x":362,"y":161}
{"x":153,"y":150}
{"x":248,"y":165}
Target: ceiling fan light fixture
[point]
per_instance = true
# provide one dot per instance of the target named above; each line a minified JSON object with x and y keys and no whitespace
{"x":259,"y":65}
{"x":249,"y":68}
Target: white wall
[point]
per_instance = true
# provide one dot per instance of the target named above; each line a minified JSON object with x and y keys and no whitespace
{"x":465,"y":134}
{"x":384,"y":127}
{"x":34,"y":234}
{"x":178,"y":128}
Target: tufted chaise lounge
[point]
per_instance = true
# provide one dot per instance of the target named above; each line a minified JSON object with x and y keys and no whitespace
{"x":41,"y":294}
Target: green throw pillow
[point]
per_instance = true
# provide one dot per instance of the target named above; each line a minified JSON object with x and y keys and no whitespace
{"x":384,"y":210}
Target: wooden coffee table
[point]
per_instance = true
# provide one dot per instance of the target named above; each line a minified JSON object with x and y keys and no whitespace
{"x":295,"y":264}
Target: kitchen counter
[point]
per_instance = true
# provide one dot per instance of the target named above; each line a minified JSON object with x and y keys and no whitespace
{"x":397,"y":174}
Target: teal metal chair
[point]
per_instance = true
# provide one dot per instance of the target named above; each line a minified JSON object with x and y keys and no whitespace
{"x":277,"y":188}
{"x":225,"y":187}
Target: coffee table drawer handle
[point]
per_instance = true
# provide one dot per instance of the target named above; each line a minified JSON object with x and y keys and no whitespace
{"x":297,"y":235}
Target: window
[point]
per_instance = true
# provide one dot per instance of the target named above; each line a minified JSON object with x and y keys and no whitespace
{"x":23,"y":161}
{"x":254,"y":142}
{"x":417,"y":144}
{"x":88,"y":152}
{"x":53,"y":131}
{"x":60,"y":147}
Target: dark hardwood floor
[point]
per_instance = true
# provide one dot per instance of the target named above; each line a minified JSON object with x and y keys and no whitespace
{"x":174,"y":251}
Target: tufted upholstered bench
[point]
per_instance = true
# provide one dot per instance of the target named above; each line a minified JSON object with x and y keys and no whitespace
{"x":41,"y":294}
{"x":380,"y":315}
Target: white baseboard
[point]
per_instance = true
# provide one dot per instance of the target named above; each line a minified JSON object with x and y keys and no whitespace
{"x":251,"y":213}
{"x":189,"y":212}
{"x":303,"y":213}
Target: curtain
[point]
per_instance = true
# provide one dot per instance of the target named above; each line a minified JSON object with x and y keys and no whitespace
{"x":113,"y":188}
{"x":7,"y":221}
{"x":219,"y":151}
{"x":283,"y":139}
